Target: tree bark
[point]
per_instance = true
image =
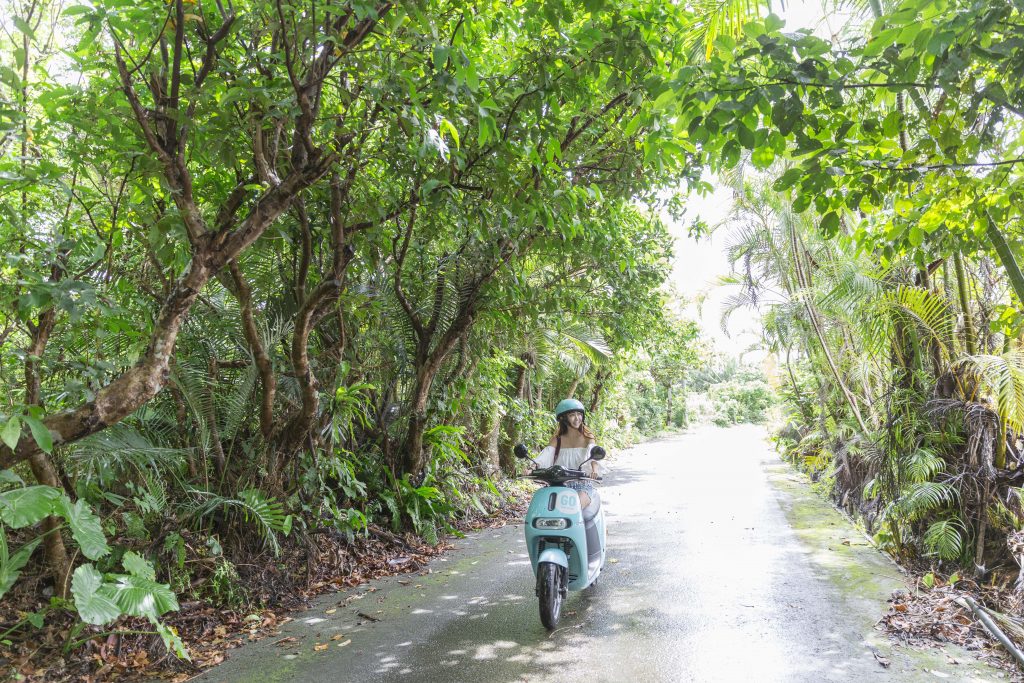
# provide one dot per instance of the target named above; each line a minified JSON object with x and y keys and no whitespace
{"x":1006,"y":257}
{"x":970,"y":339}
{"x":136,"y":386}
{"x":264,"y":366}
{"x":43,"y":468}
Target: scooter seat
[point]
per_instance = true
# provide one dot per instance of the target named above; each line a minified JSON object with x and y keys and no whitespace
{"x":593,"y":508}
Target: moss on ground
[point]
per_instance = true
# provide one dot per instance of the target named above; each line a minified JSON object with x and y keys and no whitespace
{"x":841,"y":554}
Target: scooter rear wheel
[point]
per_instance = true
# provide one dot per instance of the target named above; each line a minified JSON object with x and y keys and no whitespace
{"x":549,"y":592}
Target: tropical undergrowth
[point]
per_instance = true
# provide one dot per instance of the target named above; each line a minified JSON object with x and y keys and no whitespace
{"x":909,"y":424}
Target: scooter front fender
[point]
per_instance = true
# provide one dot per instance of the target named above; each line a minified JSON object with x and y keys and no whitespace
{"x":554,"y":556}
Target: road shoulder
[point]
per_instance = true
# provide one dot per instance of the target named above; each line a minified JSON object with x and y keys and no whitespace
{"x":865,"y":579}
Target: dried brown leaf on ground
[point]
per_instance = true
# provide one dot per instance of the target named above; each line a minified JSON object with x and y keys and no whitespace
{"x":280,"y":584}
{"x":932,"y":618}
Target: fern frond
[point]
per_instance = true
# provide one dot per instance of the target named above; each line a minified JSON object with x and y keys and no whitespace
{"x":945,"y":538}
{"x":254,"y":506}
{"x":923,"y":464}
{"x":1002,"y":378}
{"x":926,"y":497}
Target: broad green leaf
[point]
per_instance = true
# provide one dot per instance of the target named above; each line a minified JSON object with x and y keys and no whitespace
{"x":22,"y":507}
{"x":85,"y":528}
{"x":139,"y":597}
{"x":93,"y":606}
{"x":136,"y":565}
{"x":40,"y":433}
{"x":830,"y":223}
{"x":11,"y":432}
{"x":24,"y":27}
{"x":172,"y":641}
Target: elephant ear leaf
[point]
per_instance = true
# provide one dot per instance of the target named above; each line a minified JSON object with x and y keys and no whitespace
{"x":85,"y":528}
{"x":136,"y":565}
{"x":141,"y":597}
{"x":91,"y":601}
{"x":25,"y":506}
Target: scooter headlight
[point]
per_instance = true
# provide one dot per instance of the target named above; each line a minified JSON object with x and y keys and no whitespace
{"x":551,"y":523}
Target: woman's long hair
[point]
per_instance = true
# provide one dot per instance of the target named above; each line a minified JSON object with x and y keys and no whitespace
{"x":563,"y":428}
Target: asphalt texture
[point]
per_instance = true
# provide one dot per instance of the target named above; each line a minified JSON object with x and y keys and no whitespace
{"x":722,"y":566}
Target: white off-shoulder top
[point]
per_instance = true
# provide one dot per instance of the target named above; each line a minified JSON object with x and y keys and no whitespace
{"x":570,"y":458}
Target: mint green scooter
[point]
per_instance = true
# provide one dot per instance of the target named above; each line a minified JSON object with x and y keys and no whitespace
{"x":566,"y":543}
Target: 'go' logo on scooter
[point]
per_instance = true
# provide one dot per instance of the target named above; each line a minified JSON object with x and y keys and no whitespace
{"x":568,"y":502}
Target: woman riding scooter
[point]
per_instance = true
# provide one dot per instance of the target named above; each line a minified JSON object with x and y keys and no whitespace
{"x":570,"y":447}
{"x":565,"y":532}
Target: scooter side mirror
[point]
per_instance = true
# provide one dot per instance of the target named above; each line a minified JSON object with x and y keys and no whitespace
{"x":597,"y":453}
{"x":521,"y":452}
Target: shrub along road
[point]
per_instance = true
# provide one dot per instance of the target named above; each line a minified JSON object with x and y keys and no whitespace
{"x":722,"y":567}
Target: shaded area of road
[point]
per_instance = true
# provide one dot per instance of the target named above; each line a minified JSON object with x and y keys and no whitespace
{"x":723,"y":567}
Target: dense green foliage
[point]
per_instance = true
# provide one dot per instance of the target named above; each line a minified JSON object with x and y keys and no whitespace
{"x":878,"y":236}
{"x":275,"y":270}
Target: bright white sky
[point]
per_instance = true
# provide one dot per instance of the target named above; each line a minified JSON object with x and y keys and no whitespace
{"x":699,"y":264}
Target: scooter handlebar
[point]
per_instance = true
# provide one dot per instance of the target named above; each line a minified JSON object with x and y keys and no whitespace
{"x":557,"y":474}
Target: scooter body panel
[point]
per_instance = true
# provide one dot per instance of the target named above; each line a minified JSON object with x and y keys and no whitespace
{"x":545,"y":540}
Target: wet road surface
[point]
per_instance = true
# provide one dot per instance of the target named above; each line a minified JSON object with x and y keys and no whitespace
{"x":722,"y":567}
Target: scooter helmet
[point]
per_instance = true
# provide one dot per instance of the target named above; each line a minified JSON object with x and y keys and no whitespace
{"x":568,"y":406}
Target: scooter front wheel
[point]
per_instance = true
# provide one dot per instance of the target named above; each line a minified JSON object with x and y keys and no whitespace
{"x":549,"y":592}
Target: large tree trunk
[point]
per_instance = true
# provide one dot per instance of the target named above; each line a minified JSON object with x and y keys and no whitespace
{"x":136,"y":386}
{"x":43,"y":468}
{"x":492,"y":433}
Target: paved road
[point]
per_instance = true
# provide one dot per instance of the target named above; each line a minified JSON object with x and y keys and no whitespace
{"x":723,"y":567}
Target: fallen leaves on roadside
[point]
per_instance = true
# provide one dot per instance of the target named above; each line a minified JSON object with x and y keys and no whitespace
{"x":320,"y":647}
{"x":884,"y":661}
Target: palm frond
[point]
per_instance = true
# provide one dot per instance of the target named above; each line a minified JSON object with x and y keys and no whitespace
{"x":945,"y":538}
{"x":252,"y":505}
{"x":930,"y":311}
{"x":923,"y":464}
{"x":718,"y":17}
{"x":1002,"y":379}
{"x":120,"y":450}
{"x":925,"y":497}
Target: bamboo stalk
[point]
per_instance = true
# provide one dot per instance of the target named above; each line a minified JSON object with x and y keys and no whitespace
{"x":990,"y":626}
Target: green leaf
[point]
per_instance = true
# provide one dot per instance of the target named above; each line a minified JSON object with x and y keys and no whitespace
{"x":93,"y":606}
{"x":830,"y":223}
{"x":136,"y":565}
{"x":40,"y":433}
{"x":171,"y":641}
{"x":763,"y":157}
{"x":85,"y":528}
{"x":787,"y":179}
{"x":22,"y":507}
{"x":11,"y":432}
{"x":24,"y":27}
{"x":10,"y":567}
{"x":773,"y":23}
{"x":139,"y":597}
{"x":665,"y":99}
{"x":916,"y":235}
{"x":449,"y":127}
